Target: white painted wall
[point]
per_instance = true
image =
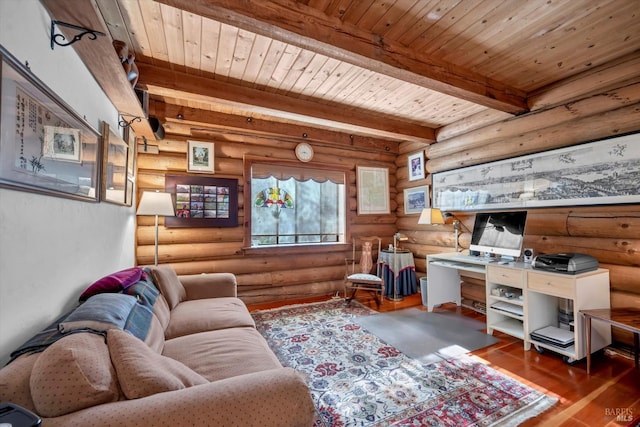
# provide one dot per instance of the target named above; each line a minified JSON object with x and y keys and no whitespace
{"x":52,"y":248}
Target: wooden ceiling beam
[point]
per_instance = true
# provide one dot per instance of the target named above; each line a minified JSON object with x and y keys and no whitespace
{"x":202,"y":119}
{"x":302,"y":26}
{"x":166,"y":83}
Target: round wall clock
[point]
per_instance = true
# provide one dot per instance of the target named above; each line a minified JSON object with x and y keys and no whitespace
{"x":304,"y":152}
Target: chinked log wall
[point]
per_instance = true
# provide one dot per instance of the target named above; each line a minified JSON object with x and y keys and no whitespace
{"x":599,"y":104}
{"x":263,"y":275}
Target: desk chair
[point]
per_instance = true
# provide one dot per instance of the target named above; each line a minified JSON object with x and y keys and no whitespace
{"x":358,"y":275}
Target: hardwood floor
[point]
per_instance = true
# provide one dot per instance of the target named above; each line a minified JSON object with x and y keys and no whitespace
{"x":609,"y":396}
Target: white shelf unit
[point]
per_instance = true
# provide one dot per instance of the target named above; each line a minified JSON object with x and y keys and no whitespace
{"x":587,"y":291}
{"x":509,"y":280}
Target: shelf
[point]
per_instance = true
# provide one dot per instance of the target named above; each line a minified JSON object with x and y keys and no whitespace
{"x":514,"y":301}
{"x":506,"y":313}
{"x":565,"y":351}
{"x":459,"y":266}
{"x":101,"y":59}
{"x":511,"y":327}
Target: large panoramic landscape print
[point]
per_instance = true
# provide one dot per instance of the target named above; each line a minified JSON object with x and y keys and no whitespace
{"x":601,"y":172}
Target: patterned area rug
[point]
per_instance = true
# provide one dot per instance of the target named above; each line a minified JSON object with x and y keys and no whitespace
{"x":356,"y":379}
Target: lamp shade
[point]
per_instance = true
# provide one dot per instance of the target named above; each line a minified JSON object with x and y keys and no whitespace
{"x":155,"y":203}
{"x":431,"y":216}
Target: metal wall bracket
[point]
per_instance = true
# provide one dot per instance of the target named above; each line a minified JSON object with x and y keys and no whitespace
{"x":124,"y":123}
{"x":92,"y":34}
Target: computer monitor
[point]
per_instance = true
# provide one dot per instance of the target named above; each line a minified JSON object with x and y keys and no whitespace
{"x":499,"y":233}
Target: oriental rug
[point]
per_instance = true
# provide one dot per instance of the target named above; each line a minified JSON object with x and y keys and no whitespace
{"x":357,"y":379}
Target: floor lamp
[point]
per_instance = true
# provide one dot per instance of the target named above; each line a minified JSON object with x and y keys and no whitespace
{"x":431,"y":216}
{"x":157,"y":204}
{"x":436,"y":217}
{"x":396,"y":238}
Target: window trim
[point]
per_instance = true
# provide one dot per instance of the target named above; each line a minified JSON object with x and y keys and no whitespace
{"x":248,"y":162}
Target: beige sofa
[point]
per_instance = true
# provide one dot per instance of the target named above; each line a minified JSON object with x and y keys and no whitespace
{"x":202,"y":363}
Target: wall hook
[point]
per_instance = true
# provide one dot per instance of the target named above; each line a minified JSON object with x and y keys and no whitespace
{"x":92,"y":34}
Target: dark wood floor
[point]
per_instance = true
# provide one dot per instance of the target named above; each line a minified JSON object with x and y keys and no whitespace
{"x":610,"y":396}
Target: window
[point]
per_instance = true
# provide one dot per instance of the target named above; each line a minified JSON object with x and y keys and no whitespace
{"x":292,"y":204}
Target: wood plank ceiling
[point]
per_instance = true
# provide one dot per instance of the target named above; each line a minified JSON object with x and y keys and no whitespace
{"x":395,"y":69}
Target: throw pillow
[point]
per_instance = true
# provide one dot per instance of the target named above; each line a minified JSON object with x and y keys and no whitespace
{"x":72,"y":374}
{"x":142,"y":372}
{"x":99,"y":313}
{"x":167,"y":281}
{"x":114,"y":282}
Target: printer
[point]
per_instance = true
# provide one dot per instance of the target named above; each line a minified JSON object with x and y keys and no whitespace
{"x":570,"y":263}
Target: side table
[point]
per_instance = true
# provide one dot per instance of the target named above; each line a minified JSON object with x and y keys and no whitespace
{"x":399,"y":270}
{"x":624,"y":317}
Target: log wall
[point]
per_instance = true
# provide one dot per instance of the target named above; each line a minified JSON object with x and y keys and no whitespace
{"x":598,"y":104}
{"x":263,"y":274}
{"x":598,"y":108}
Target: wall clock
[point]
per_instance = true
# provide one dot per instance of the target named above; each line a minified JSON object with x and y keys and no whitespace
{"x":304,"y":152}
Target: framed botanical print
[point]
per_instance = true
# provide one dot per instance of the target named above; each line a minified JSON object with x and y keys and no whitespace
{"x":373,"y":190}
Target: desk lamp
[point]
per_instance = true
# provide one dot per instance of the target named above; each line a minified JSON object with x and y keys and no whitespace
{"x":155,"y":203}
{"x":396,"y":238}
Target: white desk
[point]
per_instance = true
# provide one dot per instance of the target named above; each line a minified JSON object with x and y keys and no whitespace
{"x":540,"y":290}
{"x":443,"y":272}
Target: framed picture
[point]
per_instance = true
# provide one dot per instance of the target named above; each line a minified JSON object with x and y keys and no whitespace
{"x":130,"y":138}
{"x":416,"y":166}
{"x":115,"y":184}
{"x":62,"y":144}
{"x":416,"y":199}
{"x":595,"y":173}
{"x":202,"y":201}
{"x":201,"y":157}
{"x":45,"y":147}
{"x":372,"y":190}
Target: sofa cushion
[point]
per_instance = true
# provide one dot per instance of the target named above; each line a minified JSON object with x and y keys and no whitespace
{"x":14,"y":381}
{"x":114,"y":282}
{"x":100,"y":312}
{"x":142,"y":372}
{"x":155,"y":336}
{"x":224,"y":353}
{"x":202,"y":315}
{"x":167,"y":281}
{"x":162,"y":311}
{"x":72,"y":374}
